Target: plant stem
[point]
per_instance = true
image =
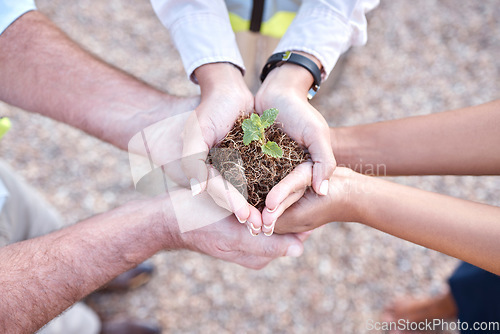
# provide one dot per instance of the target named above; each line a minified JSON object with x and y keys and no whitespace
{"x":262,"y":137}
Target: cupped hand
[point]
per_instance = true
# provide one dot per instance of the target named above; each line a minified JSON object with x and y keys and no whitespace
{"x":312,"y":211}
{"x":286,"y":88}
{"x":198,"y":224}
{"x":284,"y":194}
{"x":154,"y":139}
{"x":224,"y":97}
{"x":229,"y":241}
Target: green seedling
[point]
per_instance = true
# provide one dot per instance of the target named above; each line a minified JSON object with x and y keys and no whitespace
{"x":254,"y":129}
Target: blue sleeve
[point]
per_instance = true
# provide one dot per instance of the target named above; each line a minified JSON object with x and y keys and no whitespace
{"x":11,"y":10}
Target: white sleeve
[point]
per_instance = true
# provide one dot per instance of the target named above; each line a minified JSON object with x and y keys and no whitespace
{"x":11,"y":10}
{"x":327,"y":28}
{"x":201,"y":32}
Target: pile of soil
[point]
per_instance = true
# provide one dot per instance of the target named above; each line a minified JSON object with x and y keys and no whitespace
{"x":249,"y":170}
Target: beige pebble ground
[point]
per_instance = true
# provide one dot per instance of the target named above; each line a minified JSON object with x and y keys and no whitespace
{"x":422,"y":57}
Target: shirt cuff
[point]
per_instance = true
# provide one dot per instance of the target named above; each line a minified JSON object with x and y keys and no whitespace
{"x":205,"y":38}
{"x":324,"y":35}
{"x":10,"y":11}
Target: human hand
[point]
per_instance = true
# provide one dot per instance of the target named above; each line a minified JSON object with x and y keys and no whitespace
{"x":224,"y":97}
{"x":224,"y":238}
{"x":229,"y":241}
{"x":312,"y":211}
{"x":286,"y":88}
{"x":154,"y":140}
{"x":294,"y":185}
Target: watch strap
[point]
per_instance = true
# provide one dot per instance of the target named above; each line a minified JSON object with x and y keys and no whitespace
{"x":278,"y":59}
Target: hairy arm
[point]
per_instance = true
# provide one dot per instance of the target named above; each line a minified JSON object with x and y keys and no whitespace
{"x":42,"y":277}
{"x":43,"y":71}
{"x":459,"y":142}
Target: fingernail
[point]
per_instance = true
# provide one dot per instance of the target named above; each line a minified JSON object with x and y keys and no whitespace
{"x":255,"y":228}
{"x":241,"y":221}
{"x":251,"y":231}
{"x":294,"y":251}
{"x":271,"y":211}
{"x":195,"y":187}
{"x":323,"y":188}
{"x":270,"y":227}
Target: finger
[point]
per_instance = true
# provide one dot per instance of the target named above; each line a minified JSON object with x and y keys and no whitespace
{"x":269,"y":218}
{"x":194,"y":154}
{"x":253,"y":252}
{"x":273,"y":247}
{"x":254,"y":222}
{"x":227,"y":196}
{"x":253,"y":262}
{"x":293,"y":219}
{"x":303,"y":236}
{"x":324,"y":163}
{"x":296,"y":181}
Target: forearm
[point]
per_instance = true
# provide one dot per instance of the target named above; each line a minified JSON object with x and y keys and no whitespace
{"x":461,"y":142}
{"x":43,"y":71}
{"x":42,"y":277}
{"x":463,"y":229}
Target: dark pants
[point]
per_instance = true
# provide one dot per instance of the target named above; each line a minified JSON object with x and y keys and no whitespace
{"x":477,"y":294}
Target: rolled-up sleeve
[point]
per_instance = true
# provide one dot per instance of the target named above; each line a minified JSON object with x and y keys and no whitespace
{"x":201,"y":32}
{"x":11,"y":10}
{"x":327,"y":28}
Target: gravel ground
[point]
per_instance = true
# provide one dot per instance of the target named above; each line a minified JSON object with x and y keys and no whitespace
{"x":420,"y":59}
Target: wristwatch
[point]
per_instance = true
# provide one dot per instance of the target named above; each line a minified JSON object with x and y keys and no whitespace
{"x":280,"y":58}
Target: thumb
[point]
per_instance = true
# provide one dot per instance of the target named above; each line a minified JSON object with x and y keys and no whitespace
{"x":227,"y":196}
{"x":324,"y":163}
{"x":279,"y":245}
{"x":295,"y":248}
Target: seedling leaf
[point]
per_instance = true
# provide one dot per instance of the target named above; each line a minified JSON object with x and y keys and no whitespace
{"x":272,"y":149}
{"x":248,"y":137}
{"x":255,"y":119}
{"x":254,"y":129}
{"x":268,"y":117}
{"x":250,"y":131}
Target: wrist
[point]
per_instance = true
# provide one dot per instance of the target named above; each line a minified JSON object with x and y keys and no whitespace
{"x":358,"y":148}
{"x":370,"y":199}
{"x":311,"y":57}
{"x":213,"y":77}
{"x":357,"y":200}
{"x":345,"y":144}
{"x":161,"y":224}
{"x":292,"y":76}
{"x":121,"y":130}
